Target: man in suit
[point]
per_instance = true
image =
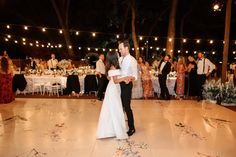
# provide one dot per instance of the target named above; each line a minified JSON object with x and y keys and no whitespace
{"x":164,"y":69}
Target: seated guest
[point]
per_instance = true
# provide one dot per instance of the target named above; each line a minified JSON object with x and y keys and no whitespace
{"x":52,"y":63}
{"x":6,"y":76}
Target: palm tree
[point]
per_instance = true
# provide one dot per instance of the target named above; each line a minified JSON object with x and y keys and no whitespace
{"x":170,"y":43}
{"x":61,"y":8}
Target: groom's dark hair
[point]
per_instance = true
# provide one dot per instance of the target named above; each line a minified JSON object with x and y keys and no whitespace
{"x":125,"y":43}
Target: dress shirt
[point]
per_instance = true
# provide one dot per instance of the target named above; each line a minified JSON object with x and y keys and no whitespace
{"x":129,"y":67}
{"x":52,"y":63}
{"x":100,"y":67}
{"x":162,"y":66}
{"x":204,"y":66}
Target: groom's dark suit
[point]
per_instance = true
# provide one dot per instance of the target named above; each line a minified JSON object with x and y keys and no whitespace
{"x":162,"y":79}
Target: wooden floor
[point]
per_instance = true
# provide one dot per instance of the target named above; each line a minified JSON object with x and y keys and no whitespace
{"x":40,"y":127}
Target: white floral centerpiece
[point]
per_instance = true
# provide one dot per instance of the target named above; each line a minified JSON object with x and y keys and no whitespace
{"x":63,"y":64}
{"x":224,"y":94}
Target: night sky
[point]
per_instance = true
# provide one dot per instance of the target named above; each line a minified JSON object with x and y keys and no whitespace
{"x":108,"y":18}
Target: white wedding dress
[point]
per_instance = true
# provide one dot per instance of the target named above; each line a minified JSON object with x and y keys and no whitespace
{"x":112,"y":121}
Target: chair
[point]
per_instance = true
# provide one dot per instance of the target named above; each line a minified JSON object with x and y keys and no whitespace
{"x":73,"y":84}
{"x":90,"y":84}
{"x":19,"y":84}
{"x":53,"y":88}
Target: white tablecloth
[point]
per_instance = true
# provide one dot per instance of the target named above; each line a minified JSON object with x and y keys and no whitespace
{"x":32,"y":80}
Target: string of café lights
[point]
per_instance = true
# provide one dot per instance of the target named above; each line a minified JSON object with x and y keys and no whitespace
{"x":8,"y":37}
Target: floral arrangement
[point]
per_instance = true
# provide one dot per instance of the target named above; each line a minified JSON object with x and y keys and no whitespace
{"x":221,"y":93}
{"x":172,"y":74}
{"x":63,"y":64}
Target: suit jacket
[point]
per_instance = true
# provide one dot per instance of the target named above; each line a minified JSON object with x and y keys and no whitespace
{"x":167,"y":68}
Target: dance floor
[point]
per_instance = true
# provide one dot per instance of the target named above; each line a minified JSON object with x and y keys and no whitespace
{"x":31,"y":127}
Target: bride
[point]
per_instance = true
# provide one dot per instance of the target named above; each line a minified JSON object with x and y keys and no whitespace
{"x":112,"y":121}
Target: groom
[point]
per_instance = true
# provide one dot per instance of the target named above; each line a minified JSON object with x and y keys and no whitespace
{"x":128,"y":65}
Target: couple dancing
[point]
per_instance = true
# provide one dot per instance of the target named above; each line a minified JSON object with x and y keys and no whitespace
{"x":121,"y":72}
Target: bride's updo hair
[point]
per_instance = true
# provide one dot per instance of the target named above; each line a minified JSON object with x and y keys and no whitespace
{"x":112,"y":60}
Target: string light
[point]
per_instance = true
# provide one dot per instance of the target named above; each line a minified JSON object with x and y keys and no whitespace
{"x":198,"y":41}
{"x":170,"y":39}
{"x":186,"y":51}
{"x":195,"y":52}
{"x":70,"y":47}
{"x":156,"y":39}
{"x":140,"y":38}
{"x":117,"y":36}
{"x":89,"y":48}
{"x":79,"y":48}
{"x":60,"y":31}
{"x":137,"y":48}
{"x":37,"y":42}
{"x":9,"y":36}
{"x":44,"y":29}
{"x":93,"y":34}
{"x":116,"y":50}
{"x":37,"y":45}
{"x":49,"y":44}
{"x":77,"y":33}
{"x":8,"y":27}
{"x":179,"y":51}
{"x":6,"y":39}
{"x":59,"y":45}
{"x":104,"y":50}
{"x":211,"y":41}
{"x":31,"y":44}
{"x":184,"y":40}
{"x":96,"y":49}
{"x":24,"y":43}
{"x":132,"y":49}
{"x":213,"y":52}
{"x":157,"y":48}
{"x":55,"y":46}
{"x":142,"y":48}
{"x":42,"y":45}
{"x":26,"y":27}
{"x":234,"y":52}
{"x":16,"y":41}
{"x":150,"y":47}
{"x":171,"y":50}
{"x":23,"y":39}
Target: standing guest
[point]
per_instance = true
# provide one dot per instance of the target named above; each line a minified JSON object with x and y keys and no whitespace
{"x":128,"y":66}
{"x":163,"y":70}
{"x":180,"y":81}
{"x":192,"y":77}
{"x":174,"y":66}
{"x":52,"y":63}
{"x":137,"y":90}
{"x":204,"y":69}
{"x":102,"y":79}
{"x":6,"y":77}
{"x":146,"y":80}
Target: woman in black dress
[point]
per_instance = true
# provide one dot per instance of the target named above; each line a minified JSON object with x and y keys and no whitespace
{"x":192,"y":77}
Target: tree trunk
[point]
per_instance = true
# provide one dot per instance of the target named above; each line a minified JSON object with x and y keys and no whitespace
{"x":134,"y":37}
{"x":62,"y":15}
{"x":226,"y":39}
{"x":171,"y":30}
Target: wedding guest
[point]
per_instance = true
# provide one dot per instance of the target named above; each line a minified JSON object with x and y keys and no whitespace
{"x":174,"y":66}
{"x":192,"y":77}
{"x":52,"y":63}
{"x":6,"y":77}
{"x":180,"y":81}
{"x":146,"y":81}
{"x":204,"y":69}
{"x":102,"y":79}
{"x":137,"y":90}
{"x":164,"y":69}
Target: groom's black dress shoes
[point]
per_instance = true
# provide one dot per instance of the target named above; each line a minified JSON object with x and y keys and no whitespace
{"x":131,"y":132}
